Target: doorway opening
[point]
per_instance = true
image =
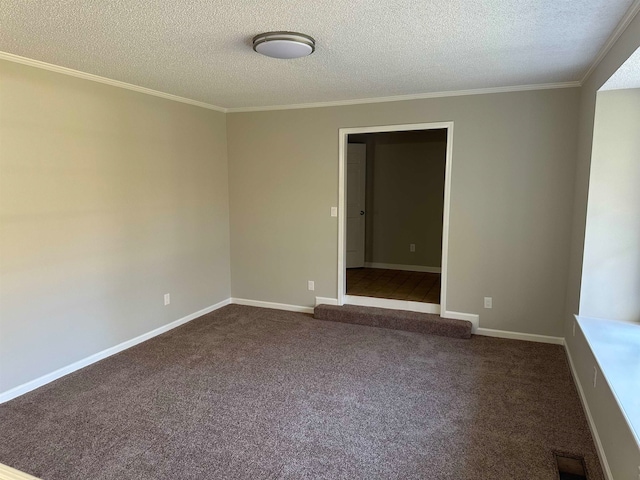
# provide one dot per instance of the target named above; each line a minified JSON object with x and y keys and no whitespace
{"x":394,"y":216}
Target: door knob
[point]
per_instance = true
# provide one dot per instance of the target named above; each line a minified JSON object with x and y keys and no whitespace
{"x":361,"y":212}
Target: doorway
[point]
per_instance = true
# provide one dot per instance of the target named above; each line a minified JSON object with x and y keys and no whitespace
{"x":394,"y":216}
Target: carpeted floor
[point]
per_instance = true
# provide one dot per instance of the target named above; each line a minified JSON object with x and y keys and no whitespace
{"x":426,"y":323}
{"x":248,"y":393}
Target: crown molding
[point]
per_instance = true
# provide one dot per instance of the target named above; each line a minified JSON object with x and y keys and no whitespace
{"x":108,"y":81}
{"x":360,"y":101}
{"x":401,"y":98}
{"x":613,"y":38}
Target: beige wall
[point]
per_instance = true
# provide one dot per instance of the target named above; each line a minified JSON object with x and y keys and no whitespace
{"x":621,"y":449}
{"x":405,"y":197}
{"x":611,"y":261}
{"x":511,"y":200}
{"x":108,"y":200}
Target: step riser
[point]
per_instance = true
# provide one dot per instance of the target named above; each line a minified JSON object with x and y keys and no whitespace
{"x":395,"y":319}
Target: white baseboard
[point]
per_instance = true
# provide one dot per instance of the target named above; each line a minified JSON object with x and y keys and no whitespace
{"x":469,"y":317}
{"x":405,"y":305}
{"x":412,"y":307}
{"x":392,"y":304}
{"x":592,"y":425}
{"x":276,"y":306}
{"x":406,"y":268}
{"x":529,"y":337}
{"x":326,"y":301}
{"x":8,"y":473}
{"x":61,"y":372}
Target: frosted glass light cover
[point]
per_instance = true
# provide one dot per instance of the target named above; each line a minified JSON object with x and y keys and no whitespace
{"x":284,"y":45}
{"x":284,"y":49}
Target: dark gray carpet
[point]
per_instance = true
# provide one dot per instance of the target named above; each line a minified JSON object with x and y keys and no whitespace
{"x":249,"y":393}
{"x":395,"y":319}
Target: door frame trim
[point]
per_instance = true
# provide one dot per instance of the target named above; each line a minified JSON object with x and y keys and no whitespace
{"x":362,"y":177}
{"x":342,"y":220}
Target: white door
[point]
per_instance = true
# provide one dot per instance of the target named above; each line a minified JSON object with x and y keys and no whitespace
{"x":356,"y":181}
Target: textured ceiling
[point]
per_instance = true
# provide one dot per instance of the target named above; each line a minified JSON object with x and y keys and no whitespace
{"x":201,"y":49}
{"x":627,"y":76}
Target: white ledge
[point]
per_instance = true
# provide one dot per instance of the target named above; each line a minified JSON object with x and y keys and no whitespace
{"x":616,"y":347}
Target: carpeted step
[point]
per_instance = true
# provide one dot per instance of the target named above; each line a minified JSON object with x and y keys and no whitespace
{"x":395,"y":319}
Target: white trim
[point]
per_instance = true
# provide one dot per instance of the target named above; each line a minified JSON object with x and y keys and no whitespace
{"x":404,"y":268}
{"x":392,"y":304}
{"x":8,"y":473}
{"x":613,"y":38}
{"x":358,"y":101}
{"x":446,"y":211}
{"x":276,"y":306}
{"x":529,"y":337}
{"x":342,"y":154}
{"x":592,"y":425}
{"x":108,"y":81}
{"x":402,"y":98}
{"x":326,"y":301}
{"x":342,"y":217}
{"x":61,"y":372}
{"x":396,"y":127}
{"x":596,"y":353}
{"x":469,"y":317}
{"x":409,"y":306}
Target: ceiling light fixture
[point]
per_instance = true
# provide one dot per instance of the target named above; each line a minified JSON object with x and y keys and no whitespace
{"x":284,"y":44}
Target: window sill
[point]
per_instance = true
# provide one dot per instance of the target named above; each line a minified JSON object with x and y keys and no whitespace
{"x":616,"y":347}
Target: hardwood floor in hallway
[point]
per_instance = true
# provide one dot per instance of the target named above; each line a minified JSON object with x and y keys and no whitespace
{"x":394,"y":284}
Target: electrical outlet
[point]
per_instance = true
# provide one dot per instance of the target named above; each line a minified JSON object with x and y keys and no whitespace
{"x":167,"y":299}
{"x":311,"y":285}
{"x":488,"y":302}
{"x":412,"y":247}
{"x":334,"y":211}
{"x":595,"y":376}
